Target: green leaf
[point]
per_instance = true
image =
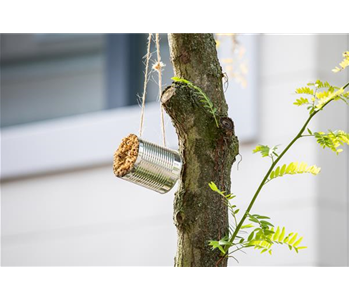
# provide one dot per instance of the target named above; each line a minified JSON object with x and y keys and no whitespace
{"x":266,"y":223}
{"x":177,"y":79}
{"x":268,"y":232}
{"x":343,"y":64}
{"x":283,"y":170}
{"x":289,"y":167}
{"x":298,"y":242}
{"x":258,"y":235}
{"x":253,"y":219}
{"x":215,"y":244}
{"x":301,"y":101}
{"x":332,"y":140}
{"x":319,"y":84}
{"x":282,"y":234}
{"x":213,"y":186}
{"x":288,"y":237}
{"x":224,"y":242}
{"x":277,"y":171}
{"x":250,"y":237}
{"x":305,"y":90}
{"x":247,"y":226}
{"x":264,"y":150}
{"x":293,"y":239}
{"x":328,"y":96}
{"x":276,"y":235}
{"x":205,"y":99}
{"x":221,"y":249}
{"x":294,"y":168}
{"x":260,"y":217}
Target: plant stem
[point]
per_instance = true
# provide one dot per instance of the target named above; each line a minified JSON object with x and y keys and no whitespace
{"x":274,"y":163}
{"x":266,"y":178}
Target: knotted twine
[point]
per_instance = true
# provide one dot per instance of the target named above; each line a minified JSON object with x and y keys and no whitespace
{"x":158,"y":67}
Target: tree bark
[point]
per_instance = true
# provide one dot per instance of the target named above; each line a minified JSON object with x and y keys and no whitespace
{"x":207,"y":151}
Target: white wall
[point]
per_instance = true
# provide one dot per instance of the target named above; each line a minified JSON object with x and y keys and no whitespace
{"x":88,"y":217}
{"x":316,"y":207}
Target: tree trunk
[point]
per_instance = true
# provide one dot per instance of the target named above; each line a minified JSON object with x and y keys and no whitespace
{"x":208,"y":152}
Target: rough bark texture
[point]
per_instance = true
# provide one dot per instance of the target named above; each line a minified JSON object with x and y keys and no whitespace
{"x":208,"y":152}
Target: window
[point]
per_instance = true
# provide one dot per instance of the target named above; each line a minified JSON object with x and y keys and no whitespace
{"x":66,"y":98}
{"x":48,"y":76}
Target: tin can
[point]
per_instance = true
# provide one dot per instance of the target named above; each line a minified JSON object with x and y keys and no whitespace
{"x":156,"y":168}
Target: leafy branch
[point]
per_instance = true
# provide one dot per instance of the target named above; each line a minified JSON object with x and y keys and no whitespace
{"x":262,"y":237}
{"x":292,"y":169}
{"x":267,"y":151}
{"x":332,"y":140}
{"x":317,"y":96}
{"x":343,"y":64}
{"x":227,"y":198}
{"x":203,"y":97}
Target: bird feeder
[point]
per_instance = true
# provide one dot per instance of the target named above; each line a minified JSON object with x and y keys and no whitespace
{"x":146,"y":164}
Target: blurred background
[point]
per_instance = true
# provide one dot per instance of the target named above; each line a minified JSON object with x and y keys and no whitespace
{"x":67,"y":100}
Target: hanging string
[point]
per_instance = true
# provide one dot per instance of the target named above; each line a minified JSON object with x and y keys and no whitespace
{"x":158,"y":67}
{"x":145,"y":84}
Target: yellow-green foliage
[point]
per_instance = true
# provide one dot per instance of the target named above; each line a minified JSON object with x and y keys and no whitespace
{"x":301,"y":101}
{"x":332,"y":140}
{"x":258,"y":241}
{"x":305,"y":90}
{"x":294,"y":168}
{"x":343,"y":64}
{"x":326,"y":96}
{"x":265,"y":150}
{"x":316,"y":95}
{"x":319,"y":95}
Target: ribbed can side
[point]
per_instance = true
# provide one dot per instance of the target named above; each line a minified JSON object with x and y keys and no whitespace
{"x":156,"y":168}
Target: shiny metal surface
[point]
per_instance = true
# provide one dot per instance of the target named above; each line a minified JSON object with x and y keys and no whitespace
{"x":156,"y":168}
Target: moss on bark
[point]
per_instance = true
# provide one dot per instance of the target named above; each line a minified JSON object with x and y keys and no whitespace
{"x":208,"y":152}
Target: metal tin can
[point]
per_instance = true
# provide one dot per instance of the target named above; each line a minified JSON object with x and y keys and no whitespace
{"x":156,"y":168}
